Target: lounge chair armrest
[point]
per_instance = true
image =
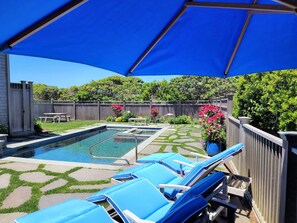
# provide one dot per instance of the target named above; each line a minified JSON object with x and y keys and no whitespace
{"x":183,"y":163}
{"x":231,"y":209}
{"x":134,"y":218}
{"x":200,"y":155}
{"x":173,"y":186}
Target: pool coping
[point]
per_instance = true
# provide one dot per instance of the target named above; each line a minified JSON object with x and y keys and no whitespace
{"x":72,"y":133}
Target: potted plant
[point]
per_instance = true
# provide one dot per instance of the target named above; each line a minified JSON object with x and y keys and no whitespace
{"x":213,"y":128}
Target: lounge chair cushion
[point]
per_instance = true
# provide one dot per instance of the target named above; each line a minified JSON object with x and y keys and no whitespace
{"x":72,"y":211}
{"x":155,"y":173}
{"x":130,"y":194}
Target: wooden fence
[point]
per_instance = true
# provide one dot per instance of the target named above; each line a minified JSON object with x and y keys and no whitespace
{"x":96,"y":110}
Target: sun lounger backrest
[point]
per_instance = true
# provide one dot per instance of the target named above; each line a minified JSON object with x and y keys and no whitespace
{"x":72,"y":211}
{"x":170,"y":163}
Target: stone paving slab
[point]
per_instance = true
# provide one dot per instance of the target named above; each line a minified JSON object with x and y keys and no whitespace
{"x":53,"y":185}
{"x":195,"y":134}
{"x":195,"y":144}
{"x":9,"y":218}
{"x":164,"y":143}
{"x":173,"y":137}
{"x":184,"y":140}
{"x":18,"y":197}
{"x":184,"y":151}
{"x":22,"y":167}
{"x":53,"y":199}
{"x":92,"y":174}
{"x":168,"y":149}
{"x":4,"y":180}
{"x":91,"y":187}
{"x":36,"y":177}
{"x":57,"y":169}
{"x":151,"y":149}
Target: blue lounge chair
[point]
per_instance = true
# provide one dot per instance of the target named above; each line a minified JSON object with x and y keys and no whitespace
{"x":158,"y":174}
{"x":181,"y":164}
{"x":144,"y":201}
{"x":72,"y":211}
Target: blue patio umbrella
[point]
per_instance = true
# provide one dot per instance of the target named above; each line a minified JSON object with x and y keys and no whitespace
{"x":219,"y":38}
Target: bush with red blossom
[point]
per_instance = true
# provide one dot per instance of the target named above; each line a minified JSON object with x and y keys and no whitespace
{"x":117,"y":109}
{"x":154,"y":112}
{"x":212,"y":123}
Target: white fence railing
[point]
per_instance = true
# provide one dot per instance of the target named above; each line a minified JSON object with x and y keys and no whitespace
{"x":264,"y":160}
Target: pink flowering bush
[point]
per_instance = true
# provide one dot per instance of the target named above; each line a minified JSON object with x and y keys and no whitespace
{"x":212,"y":123}
{"x":154,"y":112}
{"x":117,"y":109}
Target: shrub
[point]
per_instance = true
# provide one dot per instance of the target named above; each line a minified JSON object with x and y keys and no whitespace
{"x":182,"y":119}
{"x":3,"y":129}
{"x":117,"y":109}
{"x":127,"y":115}
{"x":269,"y":99}
{"x":110,"y":118}
{"x":154,"y":112}
{"x":37,"y":126}
{"x":119,"y":119}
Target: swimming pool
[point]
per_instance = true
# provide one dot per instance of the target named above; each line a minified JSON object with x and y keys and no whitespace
{"x":76,"y":149}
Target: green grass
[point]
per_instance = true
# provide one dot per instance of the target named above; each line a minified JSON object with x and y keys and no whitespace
{"x":63,"y":126}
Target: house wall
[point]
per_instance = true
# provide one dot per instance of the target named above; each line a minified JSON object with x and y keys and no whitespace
{"x":4,"y":83}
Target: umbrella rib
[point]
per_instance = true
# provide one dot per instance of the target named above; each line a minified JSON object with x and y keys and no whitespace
{"x":243,"y":6}
{"x":289,"y":3}
{"x":158,"y":38}
{"x":242,"y":33}
{"x":45,"y":22}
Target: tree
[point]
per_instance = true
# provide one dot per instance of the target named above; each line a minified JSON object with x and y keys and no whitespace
{"x":43,"y":92}
{"x":269,"y":99}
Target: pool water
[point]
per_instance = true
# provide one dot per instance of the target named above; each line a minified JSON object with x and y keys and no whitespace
{"x":76,"y":149}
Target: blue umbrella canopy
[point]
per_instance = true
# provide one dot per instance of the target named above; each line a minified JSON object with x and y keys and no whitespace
{"x":217,"y":38}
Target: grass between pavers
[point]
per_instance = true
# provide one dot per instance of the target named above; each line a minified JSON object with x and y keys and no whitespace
{"x":32,"y":204}
{"x":55,"y":127}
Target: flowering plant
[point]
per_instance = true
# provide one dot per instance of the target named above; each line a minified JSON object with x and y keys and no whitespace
{"x":154,"y":112}
{"x":117,"y":109}
{"x":212,"y":123}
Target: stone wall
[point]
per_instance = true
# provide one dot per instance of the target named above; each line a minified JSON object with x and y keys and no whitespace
{"x":4,"y":80}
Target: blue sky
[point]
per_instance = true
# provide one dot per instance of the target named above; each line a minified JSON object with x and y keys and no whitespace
{"x":59,"y":73}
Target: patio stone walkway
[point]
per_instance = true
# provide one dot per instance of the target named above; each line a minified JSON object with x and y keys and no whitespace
{"x":26,"y":187}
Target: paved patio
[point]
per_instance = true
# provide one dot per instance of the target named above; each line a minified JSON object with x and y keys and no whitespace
{"x":27,"y":187}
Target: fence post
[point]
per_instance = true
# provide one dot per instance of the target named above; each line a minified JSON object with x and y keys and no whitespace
{"x":288,"y":193}
{"x":229,"y":104}
{"x":23,"y":105}
{"x":74,"y":110}
{"x":242,"y":135}
{"x":179,"y":108}
{"x":31,"y":105}
{"x":52,"y":105}
{"x":124,"y":105}
{"x":98,"y":108}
